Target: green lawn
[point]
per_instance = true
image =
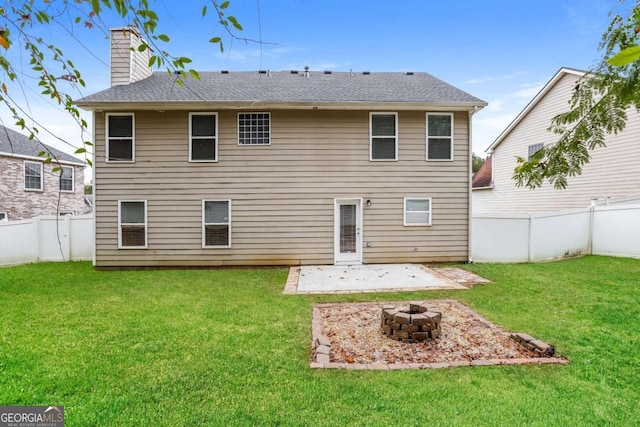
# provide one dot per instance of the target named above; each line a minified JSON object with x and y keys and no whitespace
{"x":225,"y":347}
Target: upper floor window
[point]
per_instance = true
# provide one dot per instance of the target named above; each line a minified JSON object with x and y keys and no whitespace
{"x":440,"y":136}
{"x":533,"y":149}
{"x":120,"y":137}
{"x":203,"y":137}
{"x":384,"y":136}
{"x":33,"y":176}
{"x":254,"y":128}
{"x":66,"y":178}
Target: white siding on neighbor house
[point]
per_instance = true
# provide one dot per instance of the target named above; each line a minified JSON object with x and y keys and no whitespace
{"x":282,"y":194}
{"x":612,"y":172}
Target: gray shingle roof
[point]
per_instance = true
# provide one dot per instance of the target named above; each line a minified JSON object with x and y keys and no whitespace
{"x":20,"y":145}
{"x":286,"y":87}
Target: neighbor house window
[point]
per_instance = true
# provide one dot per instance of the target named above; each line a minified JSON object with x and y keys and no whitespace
{"x":203,"y":137}
{"x":120,"y":138}
{"x":4,"y":217}
{"x":132,"y":224}
{"x":533,"y":149}
{"x":33,"y":176}
{"x":216,"y":223}
{"x":254,"y":128}
{"x":66,"y":178}
{"x":417,"y":211}
{"x":384,"y":136}
{"x":440,"y":136}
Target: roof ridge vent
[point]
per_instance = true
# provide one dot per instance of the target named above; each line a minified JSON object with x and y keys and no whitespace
{"x":366,"y":73}
{"x":294,"y":71}
{"x":262,"y":71}
{"x":409,"y":73}
{"x":327,"y":72}
{"x":224,"y":71}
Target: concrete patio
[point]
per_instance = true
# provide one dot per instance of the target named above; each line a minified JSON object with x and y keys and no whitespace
{"x":329,"y":279}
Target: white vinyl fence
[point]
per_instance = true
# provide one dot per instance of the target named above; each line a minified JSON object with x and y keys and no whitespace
{"x":46,"y":238}
{"x":601,"y":230}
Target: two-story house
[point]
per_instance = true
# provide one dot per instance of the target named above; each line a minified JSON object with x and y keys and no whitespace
{"x":278,"y":168}
{"x":611,"y":172}
{"x":29,"y":187}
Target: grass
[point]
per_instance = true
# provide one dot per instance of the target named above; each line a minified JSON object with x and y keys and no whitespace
{"x":225,"y":347}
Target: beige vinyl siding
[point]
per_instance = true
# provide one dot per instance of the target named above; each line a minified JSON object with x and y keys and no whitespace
{"x":612,"y":171}
{"x":282,"y":194}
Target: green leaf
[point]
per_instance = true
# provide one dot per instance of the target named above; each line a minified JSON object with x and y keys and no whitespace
{"x":625,"y":56}
{"x":235,"y":22}
{"x":204,"y":10}
{"x":224,"y":5}
{"x":194,"y":74}
{"x":80,"y":150}
{"x":215,"y":40}
{"x":41,"y":154}
{"x":164,"y":37}
{"x":89,"y":162}
{"x":185,"y":60}
{"x":143,"y":47}
{"x":152,"y":60}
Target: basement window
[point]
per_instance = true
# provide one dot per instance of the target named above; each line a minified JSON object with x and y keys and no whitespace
{"x":132,"y":224}
{"x":216,"y":223}
{"x":254,"y":128}
{"x":417,"y":211}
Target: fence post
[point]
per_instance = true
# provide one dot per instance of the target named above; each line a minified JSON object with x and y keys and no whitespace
{"x":531,"y":246}
{"x":36,"y":239}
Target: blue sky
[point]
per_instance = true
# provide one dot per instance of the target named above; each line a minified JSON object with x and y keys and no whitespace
{"x":500,"y":51}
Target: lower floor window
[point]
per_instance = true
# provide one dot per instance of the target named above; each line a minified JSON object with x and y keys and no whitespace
{"x":132,"y":224}
{"x":216,"y":223}
{"x":417,"y":211}
{"x":4,"y":217}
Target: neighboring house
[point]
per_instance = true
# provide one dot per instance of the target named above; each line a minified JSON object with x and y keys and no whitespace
{"x":612,"y":171}
{"x":278,"y":168}
{"x":29,"y":187}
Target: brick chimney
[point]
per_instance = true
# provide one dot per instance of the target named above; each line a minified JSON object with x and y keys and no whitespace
{"x":128,"y":65}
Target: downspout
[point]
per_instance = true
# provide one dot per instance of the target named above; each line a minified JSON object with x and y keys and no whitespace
{"x":93,"y":188}
{"x":469,"y":169}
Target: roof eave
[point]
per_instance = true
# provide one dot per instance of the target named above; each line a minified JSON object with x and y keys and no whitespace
{"x":279,"y":105}
{"x":545,"y":89}
{"x":40,"y":159}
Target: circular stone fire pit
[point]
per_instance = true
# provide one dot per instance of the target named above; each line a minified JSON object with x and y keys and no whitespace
{"x":418,"y":323}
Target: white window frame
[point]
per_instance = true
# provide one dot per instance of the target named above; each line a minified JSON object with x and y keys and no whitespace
{"x":4,"y":216}
{"x":430,"y":212}
{"x":244,"y":144}
{"x":539,"y":147}
{"x":24,"y":176}
{"x":228,"y":224}
{"x":214,"y":138}
{"x":73,"y":177}
{"x":371,"y":136}
{"x":440,"y":137}
{"x":146,"y":225}
{"x":133,"y":137}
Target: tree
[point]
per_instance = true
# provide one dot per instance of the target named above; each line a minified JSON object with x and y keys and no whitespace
{"x":598,"y":107}
{"x":476,"y":162}
{"x":54,"y":74}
